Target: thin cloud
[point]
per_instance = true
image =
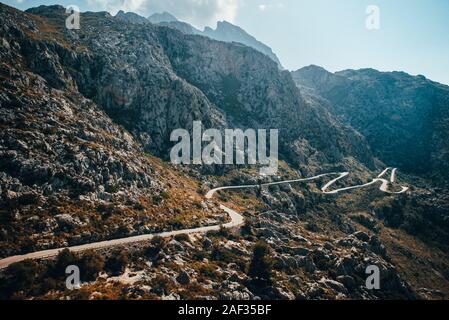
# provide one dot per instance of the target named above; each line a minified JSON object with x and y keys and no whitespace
{"x":266,"y":7}
{"x":199,"y":13}
{"x":113,"y":6}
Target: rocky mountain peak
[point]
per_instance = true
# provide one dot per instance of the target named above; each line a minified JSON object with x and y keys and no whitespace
{"x":131,"y":17}
{"x":313,"y":70}
{"x":225,"y":31}
{"x":56,"y":8}
{"x":314,"y":77}
{"x":162,"y":17}
{"x":225,"y":25}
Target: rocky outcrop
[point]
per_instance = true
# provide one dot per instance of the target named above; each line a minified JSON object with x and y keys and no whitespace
{"x":162,"y":17}
{"x":128,"y":74}
{"x":250,"y":90}
{"x":65,"y":165}
{"x":131,"y":17}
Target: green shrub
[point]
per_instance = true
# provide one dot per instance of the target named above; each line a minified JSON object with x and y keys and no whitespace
{"x":117,"y":263}
{"x":223,"y":255}
{"x":208,"y":271}
{"x":248,"y":228}
{"x":64,"y":259}
{"x":158,"y":241}
{"x":157,"y":244}
{"x":261,"y":265}
{"x":177,"y":222}
{"x":199,"y":255}
{"x":198,"y":204}
{"x":91,"y":264}
{"x":162,"y":285}
{"x":182,"y":238}
{"x":22,"y":279}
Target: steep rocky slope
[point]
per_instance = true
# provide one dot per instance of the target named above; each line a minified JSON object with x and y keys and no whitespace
{"x":125,"y":71}
{"x":404,"y":118}
{"x":131,"y":17}
{"x":225,"y":31}
{"x":253,"y":93}
{"x":63,"y":156}
{"x":65,"y":166}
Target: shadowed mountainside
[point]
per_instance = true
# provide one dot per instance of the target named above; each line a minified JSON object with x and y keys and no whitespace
{"x":404,"y":118}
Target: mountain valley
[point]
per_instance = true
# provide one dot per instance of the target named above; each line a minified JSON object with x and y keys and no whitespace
{"x":86,"y":118}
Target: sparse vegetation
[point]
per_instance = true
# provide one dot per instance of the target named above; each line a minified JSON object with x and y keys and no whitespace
{"x":182,"y":237}
{"x":64,"y":259}
{"x":21,"y":280}
{"x":209,"y":271}
{"x":221,"y":254}
{"x":157,"y":245}
{"x":91,"y":264}
{"x":73,"y":171}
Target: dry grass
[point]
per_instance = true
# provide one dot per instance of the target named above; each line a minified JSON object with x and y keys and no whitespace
{"x":420,"y":265}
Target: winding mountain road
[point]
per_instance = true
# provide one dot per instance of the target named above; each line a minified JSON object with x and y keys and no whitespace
{"x":236,"y":218}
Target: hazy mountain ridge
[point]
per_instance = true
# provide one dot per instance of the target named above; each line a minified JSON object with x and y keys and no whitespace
{"x":228,"y":32}
{"x":64,"y":163}
{"x":162,"y":17}
{"x":224,"y":31}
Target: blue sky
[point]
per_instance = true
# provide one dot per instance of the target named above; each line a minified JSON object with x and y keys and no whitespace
{"x":413,"y":35}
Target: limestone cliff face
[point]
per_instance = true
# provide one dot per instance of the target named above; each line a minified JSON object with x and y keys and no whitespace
{"x":61,"y":155}
{"x":252,"y":92}
{"x":123,"y":68}
{"x":131,"y":17}
{"x":228,"y":32}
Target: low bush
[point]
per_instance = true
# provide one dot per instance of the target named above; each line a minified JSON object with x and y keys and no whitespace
{"x":117,"y":263}
{"x":91,"y":264}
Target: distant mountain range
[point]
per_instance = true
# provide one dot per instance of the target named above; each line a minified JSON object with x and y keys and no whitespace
{"x":225,"y":31}
{"x":162,"y":17}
